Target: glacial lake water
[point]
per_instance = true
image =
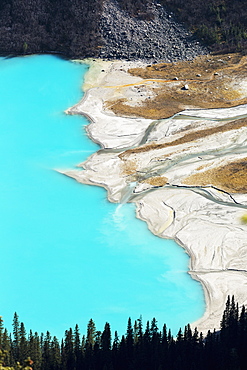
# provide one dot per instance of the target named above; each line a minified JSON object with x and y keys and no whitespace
{"x":67,"y":254}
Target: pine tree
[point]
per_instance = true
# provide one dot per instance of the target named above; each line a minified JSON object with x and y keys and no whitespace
{"x":164,"y":349}
{"x":34,"y":350}
{"x":226,"y":314}
{"x":180,"y":336}
{"x":1,"y":332}
{"x":77,"y":348}
{"x":16,"y":335}
{"x":115,"y":345}
{"x":140,"y":328}
{"x":96,"y":354}
{"x":122,"y":361}
{"x":115,"y":350}
{"x":170,"y":337}
{"x":91,"y":334}
{"x":129,"y":341}
{"x":146,"y":350}
{"x":55,"y":354}
{"x":90,"y":343}
{"x":106,"y":346}
{"x":242,"y":340}
{"x":147,"y":334}
{"x":154,"y":328}
{"x":187,"y":333}
{"x":164,"y":336}
{"x":135,"y":332}
{"x":23,"y":346}
{"x":83,"y":345}
{"x":46,"y":352}
{"x":68,"y":354}
{"x":106,"y":338}
{"x":155,"y":344}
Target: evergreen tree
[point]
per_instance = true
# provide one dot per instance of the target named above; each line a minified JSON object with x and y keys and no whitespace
{"x":55,"y":354}
{"x":1,"y":332}
{"x":16,"y":340}
{"x":77,"y":348}
{"x":83,"y":345}
{"x":122,"y":362}
{"x":155,"y":344}
{"x":68,"y":353}
{"x":242,"y":339}
{"x":140,"y":328}
{"x":89,"y":344}
{"x":46,"y":352}
{"x":180,"y":336}
{"x":135,"y":332}
{"x":129,"y":342}
{"x":34,"y":350}
{"x":23,"y":346}
{"x":106,"y":346}
{"x":106,"y":338}
{"x":115,"y":350}
{"x":91,"y":334}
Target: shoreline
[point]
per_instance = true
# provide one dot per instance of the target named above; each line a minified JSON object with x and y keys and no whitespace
{"x":170,"y":212}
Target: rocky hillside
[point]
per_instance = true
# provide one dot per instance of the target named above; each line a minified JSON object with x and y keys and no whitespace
{"x":122,"y":28}
{"x":104,"y":28}
{"x":157,"y":36}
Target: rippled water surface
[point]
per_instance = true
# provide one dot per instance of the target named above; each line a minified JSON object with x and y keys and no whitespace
{"x":67,"y":254}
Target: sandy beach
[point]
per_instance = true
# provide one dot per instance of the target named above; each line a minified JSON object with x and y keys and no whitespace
{"x":185,"y":173}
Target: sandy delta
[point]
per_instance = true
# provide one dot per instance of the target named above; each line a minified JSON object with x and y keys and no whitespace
{"x":173,"y":139}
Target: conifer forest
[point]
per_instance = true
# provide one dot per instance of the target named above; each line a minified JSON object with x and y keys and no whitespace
{"x":141,"y":348}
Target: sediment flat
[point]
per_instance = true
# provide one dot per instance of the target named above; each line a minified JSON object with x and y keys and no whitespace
{"x":174,"y":142}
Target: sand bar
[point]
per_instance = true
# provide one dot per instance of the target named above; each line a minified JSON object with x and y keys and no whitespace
{"x":185,"y":173}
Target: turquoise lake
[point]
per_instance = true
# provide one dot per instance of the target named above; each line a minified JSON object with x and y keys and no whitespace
{"x":67,"y":254}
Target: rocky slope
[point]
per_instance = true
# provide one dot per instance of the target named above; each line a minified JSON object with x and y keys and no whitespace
{"x":159,"y":38}
{"x":99,"y":28}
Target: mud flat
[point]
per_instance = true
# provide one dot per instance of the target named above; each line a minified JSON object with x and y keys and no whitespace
{"x":174,"y":142}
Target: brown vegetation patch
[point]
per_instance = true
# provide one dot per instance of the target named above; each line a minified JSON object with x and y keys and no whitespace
{"x":129,"y":167}
{"x":232,"y":177}
{"x":189,"y":70}
{"x":156,"y":181}
{"x":150,"y":109}
{"x":209,"y":80}
{"x":192,"y":136}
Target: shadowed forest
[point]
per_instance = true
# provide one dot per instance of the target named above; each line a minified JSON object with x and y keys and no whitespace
{"x":141,"y":348}
{"x":71,"y":27}
{"x":220,"y":24}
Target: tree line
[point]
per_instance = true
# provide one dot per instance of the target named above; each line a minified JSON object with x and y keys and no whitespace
{"x":141,"y":348}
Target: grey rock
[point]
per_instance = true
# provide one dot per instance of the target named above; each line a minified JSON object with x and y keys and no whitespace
{"x":185,"y":87}
{"x":161,"y":38}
